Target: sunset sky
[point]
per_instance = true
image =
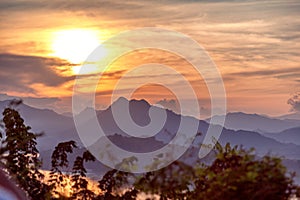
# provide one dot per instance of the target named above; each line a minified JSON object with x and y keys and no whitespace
{"x":255,"y":45}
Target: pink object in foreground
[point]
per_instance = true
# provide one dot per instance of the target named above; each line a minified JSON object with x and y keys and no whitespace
{"x":8,"y":190}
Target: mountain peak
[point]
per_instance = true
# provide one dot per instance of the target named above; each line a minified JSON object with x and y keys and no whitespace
{"x":119,"y":102}
{"x":123,"y":100}
{"x":140,"y":101}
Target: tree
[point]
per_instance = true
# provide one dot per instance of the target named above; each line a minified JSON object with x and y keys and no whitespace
{"x":20,"y":156}
{"x":234,"y":174}
{"x":80,"y":184}
{"x":171,"y":182}
{"x":239,"y":174}
{"x":59,"y":161}
{"x":112,"y":182}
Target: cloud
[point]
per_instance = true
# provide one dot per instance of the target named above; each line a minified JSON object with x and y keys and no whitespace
{"x":113,"y":75}
{"x":19,"y":72}
{"x":294,"y":102}
{"x":91,"y":8}
{"x":258,"y":39}
{"x":292,"y":72}
{"x":39,"y":102}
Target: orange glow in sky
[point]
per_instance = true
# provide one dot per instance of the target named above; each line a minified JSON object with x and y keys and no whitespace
{"x":256,"y":48}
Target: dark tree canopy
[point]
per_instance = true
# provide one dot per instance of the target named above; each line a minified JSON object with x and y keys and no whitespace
{"x":20,"y":155}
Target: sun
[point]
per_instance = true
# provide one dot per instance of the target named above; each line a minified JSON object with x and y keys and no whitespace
{"x":75,"y":45}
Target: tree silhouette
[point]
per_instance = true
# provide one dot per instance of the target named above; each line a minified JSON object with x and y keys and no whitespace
{"x":59,"y":162}
{"x":115,"y":180}
{"x":19,"y":155}
{"x":238,"y":174}
{"x":171,"y":182}
{"x":80,"y":184}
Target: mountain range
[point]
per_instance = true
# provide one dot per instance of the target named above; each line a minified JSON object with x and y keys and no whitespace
{"x":258,"y":123}
{"x":275,"y":136}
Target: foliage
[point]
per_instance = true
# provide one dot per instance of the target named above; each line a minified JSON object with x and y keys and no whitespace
{"x":80,"y":184}
{"x":115,"y":180}
{"x":19,"y":155}
{"x":238,"y":174}
{"x":234,"y":174}
{"x":172,"y":182}
{"x":59,"y":162}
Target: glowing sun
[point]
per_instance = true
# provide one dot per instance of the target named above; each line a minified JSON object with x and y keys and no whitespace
{"x":75,"y":45}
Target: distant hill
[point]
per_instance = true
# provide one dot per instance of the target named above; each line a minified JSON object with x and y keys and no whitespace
{"x":293,"y":116}
{"x":291,"y":135}
{"x":258,"y":123}
{"x":139,"y":113}
{"x":60,"y":128}
{"x":56,"y":127}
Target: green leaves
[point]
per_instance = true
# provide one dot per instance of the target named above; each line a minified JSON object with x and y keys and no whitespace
{"x":238,"y":174}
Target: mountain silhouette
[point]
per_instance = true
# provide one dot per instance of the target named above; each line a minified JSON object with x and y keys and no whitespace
{"x":60,"y":128}
{"x":291,"y":135}
{"x":258,"y":123}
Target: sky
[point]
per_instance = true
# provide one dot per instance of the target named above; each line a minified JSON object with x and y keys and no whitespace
{"x":255,"y":45}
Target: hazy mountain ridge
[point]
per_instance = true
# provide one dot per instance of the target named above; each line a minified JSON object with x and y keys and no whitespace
{"x":292,"y":116}
{"x":60,"y":128}
{"x":56,"y":127}
{"x":257,"y":123}
{"x":291,"y":135}
{"x":249,"y":139}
